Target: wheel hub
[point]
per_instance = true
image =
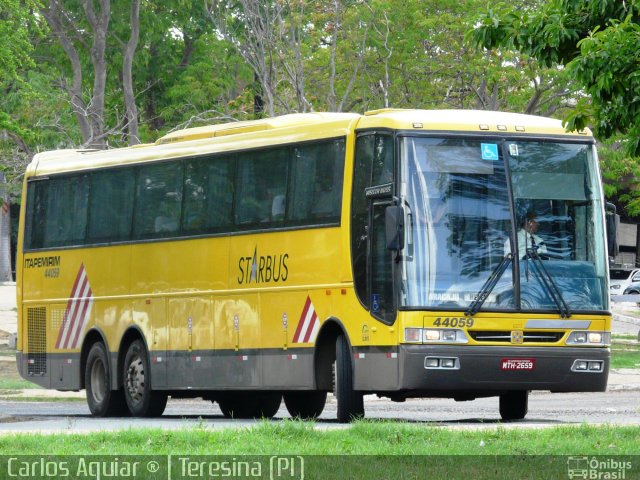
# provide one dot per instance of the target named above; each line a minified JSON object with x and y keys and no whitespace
{"x":98,"y":381}
{"x":135,"y":379}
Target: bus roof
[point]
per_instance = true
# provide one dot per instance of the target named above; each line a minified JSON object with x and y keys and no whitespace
{"x":295,"y":128}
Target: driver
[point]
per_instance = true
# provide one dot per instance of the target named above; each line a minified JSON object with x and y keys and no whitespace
{"x":527,"y":237}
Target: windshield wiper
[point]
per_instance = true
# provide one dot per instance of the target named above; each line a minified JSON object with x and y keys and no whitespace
{"x":548,"y":282}
{"x":489,"y":285}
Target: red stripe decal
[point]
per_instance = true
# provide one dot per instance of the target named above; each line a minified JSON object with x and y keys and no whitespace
{"x":77,"y":311}
{"x":305,"y":310}
{"x":69,"y":304}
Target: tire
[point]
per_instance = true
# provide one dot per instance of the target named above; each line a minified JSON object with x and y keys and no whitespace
{"x":305,"y":405}
{"x":514,"y":405}
{"x":350,"y":402}
{"x":268,"y":405}
{"x":141,"y":399}
{"x":102,"y":401}
{"x":250,"y":404}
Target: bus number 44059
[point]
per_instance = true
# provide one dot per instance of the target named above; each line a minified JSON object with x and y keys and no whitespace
{"x":453,"y":322}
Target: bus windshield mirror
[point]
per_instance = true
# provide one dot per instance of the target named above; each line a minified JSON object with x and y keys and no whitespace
{"x":548,"y":282}
{"x":489,"y":285}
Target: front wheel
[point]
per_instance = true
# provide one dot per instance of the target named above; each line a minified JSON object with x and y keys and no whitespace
{"x":141,"y":399}
{"x":514,"y":405}
{"x":102,"y":401}
{"x":350,"y":402}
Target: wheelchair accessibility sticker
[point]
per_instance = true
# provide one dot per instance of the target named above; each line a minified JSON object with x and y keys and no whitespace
{"x":489,"y":151}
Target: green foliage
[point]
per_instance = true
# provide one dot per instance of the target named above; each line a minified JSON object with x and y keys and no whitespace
{"x":598,"y":42}
{"x":16,"y":29}
{"x":410,"y":54}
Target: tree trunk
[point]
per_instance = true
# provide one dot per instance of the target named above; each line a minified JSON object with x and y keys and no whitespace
{"x":53,"y":16}
{"x":100,"y":24}
{"x":131,"y":110}
{"x":5,"y":235}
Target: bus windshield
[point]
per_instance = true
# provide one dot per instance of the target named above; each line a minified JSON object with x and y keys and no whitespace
{"x":463,"y":221}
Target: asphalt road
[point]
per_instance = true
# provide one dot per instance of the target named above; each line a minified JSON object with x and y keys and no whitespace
{"x":545,"y":409}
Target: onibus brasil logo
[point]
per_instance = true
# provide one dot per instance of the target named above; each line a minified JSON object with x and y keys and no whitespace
{"x":594,"y":468}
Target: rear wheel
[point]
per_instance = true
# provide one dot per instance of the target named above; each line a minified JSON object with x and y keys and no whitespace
{"x":305,"y":405}
{"x":250,"y":404}
{"x":268,"y":405}
{"x":514,"y":405}
{"x":141,"y":399}
{"x":350,"y":402}
{"x":102,"y":401}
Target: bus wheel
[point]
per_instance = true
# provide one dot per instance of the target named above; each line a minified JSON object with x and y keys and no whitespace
{"x":514,"y":405}
{"x":350,"y":402}
{"x":250,"y":404}
{"x":102,"y":401}
{"x":305,"y":405}
{"x":141,"y":400}
{"x":268,"y":405}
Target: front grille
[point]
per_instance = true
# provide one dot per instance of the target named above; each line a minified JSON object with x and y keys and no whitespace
{"x":37,"y":341}
{"x":505,"y":336}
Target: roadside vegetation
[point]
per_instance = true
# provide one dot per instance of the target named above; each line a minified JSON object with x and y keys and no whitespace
{"x":364,"y":438}
{"x":625,"y":353}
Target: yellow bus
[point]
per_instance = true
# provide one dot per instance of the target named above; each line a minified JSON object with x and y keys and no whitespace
{"x":403,"y":253}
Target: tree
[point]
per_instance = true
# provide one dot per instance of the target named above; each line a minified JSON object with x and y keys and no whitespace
{"x":598,"y":43}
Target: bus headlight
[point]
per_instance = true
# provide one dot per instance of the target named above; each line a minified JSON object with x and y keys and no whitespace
{"x":600,"y":339}
{"x":434,"y":335}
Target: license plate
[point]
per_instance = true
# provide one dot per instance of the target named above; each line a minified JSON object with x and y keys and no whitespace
{"x":517,"y":364}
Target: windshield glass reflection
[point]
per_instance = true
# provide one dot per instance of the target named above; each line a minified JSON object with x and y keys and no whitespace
{"x":460,"y":224}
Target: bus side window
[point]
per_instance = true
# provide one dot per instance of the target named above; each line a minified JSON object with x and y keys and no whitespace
{"x":262,"y":176}
{"x":159,"y":200}
{"x":36,"y":214}
{"x":66,"y":218}
{"x":111,"y":205}
{"x":208,"y":195}
{"x":316,"y":188}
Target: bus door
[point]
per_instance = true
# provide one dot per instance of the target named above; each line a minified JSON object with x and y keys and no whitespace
{"x":385,"y":226}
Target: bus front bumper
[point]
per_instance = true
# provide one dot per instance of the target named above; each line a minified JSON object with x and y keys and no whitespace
{"x":429,"y":368}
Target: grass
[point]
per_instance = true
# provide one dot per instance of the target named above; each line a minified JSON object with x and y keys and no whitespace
{"x":367,"y":450}
{"x":624,"y":336}
{"x":17,"y":384}
{"x":363,"y":438}
{"x":12,"y":397}
{"x":625,"y":355}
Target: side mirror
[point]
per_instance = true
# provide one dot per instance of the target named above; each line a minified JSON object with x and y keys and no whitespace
{"x":612,"y":222}
{"x":394,"y":227}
